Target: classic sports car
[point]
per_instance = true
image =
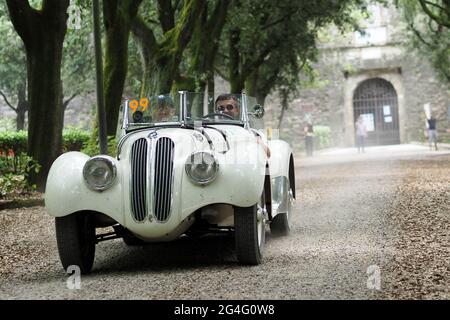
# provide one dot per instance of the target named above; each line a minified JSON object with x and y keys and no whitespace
{"x":186,"y":164}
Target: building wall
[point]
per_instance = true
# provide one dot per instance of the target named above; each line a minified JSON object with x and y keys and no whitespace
{"x":347,"y":60}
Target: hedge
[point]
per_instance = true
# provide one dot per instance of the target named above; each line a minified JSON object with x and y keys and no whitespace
{"x":15,"y":142}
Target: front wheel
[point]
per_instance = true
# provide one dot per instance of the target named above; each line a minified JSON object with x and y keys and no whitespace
{"x":75,"y":235}
{"x":250,"y":232}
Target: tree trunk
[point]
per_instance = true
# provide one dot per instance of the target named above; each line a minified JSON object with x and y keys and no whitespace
{"x":206,"y":41}
{"x":159,"y":76}
{"x":261,"y":98}
{"x":254,"y":88}
{"x":45,"y":126}
{"x":161,"y":60}
{"x":42,"y":32}
{"x":251,"y":85}
{"x":22,"y":108}
{"x":237,"y":82}
{"x":210,"y":84}
{"x":284,"y":106}
{"x":117,"y":19}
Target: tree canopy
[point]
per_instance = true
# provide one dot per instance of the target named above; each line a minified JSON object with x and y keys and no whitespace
{"x":257,"y":45}
{"x":428,"y":23}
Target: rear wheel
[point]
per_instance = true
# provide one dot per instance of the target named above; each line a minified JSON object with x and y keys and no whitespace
{"x":75,"y":235}
{"x":250,"y":232}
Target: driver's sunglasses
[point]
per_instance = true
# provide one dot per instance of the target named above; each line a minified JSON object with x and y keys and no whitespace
{"x":229,"y":107}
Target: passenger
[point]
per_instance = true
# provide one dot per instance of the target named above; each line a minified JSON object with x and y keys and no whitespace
{"x":165,"y":109}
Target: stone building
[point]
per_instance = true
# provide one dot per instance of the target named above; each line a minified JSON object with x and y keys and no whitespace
{"x":372,"y":74}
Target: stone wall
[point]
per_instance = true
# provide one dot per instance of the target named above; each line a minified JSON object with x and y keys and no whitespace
{"x":343,"y":63}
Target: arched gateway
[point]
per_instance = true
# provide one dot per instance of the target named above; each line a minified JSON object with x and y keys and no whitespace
{"x":376,"y":100}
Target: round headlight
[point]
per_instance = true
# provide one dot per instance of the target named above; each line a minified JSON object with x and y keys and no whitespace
{"x":202,"y":167}
{"x":99,"y":172}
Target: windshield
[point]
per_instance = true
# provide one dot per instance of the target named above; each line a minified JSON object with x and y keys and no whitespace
{"x":163,"y":108}
{"x":188,"y":107}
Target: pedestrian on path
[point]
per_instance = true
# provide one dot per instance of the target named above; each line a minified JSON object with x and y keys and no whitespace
{"x":309,"y":139}
{"x":361,"y":133}
{"x":432,"y":133}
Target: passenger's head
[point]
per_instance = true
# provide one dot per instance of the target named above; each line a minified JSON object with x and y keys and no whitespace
{"x":165,"y":109}
{"x":228,"y":104}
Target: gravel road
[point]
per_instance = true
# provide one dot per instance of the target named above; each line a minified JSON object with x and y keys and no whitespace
{"x":388,"y":211}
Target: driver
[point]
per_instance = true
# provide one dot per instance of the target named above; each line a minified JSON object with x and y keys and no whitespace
{"x":228,"y":104}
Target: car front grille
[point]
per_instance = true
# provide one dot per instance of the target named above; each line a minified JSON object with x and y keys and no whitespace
{"x":139,"y":158}
{"x":162,"y":183}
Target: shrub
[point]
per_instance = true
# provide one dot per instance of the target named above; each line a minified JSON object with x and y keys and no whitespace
{"x":13,"y":148}
{"x":14,"y":179}
{"x":92,"y":147}
{"x":75,"y":139}
{"x":322,"y":137}
{"x":15,"y":142}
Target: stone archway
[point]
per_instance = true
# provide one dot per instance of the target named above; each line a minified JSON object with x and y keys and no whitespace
{"x":352,"y":82}
{"x":376,"y":101}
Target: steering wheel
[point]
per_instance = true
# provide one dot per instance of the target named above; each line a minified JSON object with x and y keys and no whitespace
{"x":209,"y":115}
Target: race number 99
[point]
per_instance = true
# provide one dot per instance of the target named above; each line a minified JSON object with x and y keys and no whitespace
{"x":135,"y":104}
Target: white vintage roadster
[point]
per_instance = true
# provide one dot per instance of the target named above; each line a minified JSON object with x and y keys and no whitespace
{"x":186,"y":164}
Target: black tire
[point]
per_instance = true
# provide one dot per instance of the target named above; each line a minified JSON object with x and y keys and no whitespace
{"x":75,"y":235}
{"x":249,"y":237}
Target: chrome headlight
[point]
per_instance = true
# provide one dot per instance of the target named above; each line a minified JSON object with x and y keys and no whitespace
{"x":202,"y":167}
{"x":100,"y":172}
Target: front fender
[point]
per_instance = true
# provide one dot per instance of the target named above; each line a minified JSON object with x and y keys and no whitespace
{"x":240,"y":180}
{"x":66,"y":191}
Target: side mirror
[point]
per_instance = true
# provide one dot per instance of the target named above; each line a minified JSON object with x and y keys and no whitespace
{"x":258,"y":111}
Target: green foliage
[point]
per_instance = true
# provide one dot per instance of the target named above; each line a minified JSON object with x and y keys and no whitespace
{"x":429,"y":35}
{"x":322,"y":137}
{"x":78,"y":56}
{"x":74,"y":139}
{"x":92,"y":147}
{"x":15,"y":165}
{"x":7,"y":124}
{"x":277,"y":41}
{"x":78,"y":68}
{"x":14,"y":173}
{"x":13,"y":70}
{"x":15,"y":142}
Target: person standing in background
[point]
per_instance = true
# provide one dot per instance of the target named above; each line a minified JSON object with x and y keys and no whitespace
{"x":432,"y":133}
{"x":309,"y":139}
{"x":361,"y":133}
